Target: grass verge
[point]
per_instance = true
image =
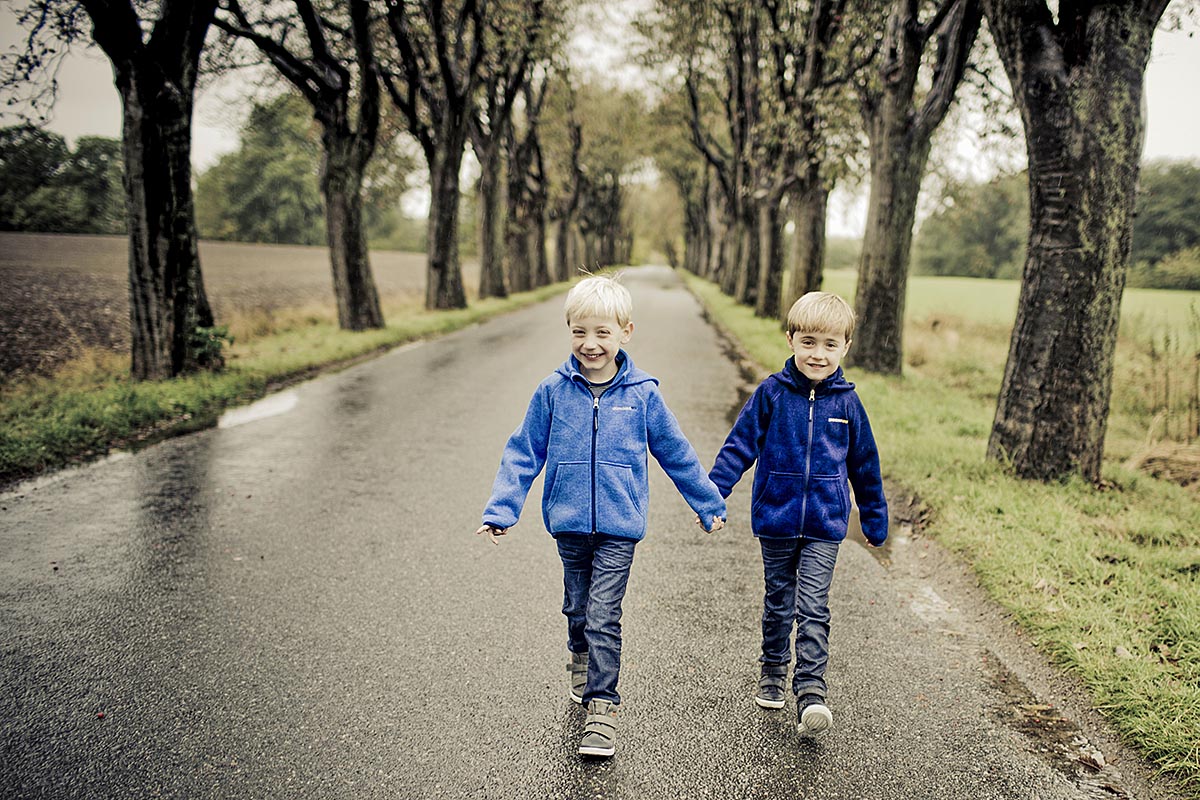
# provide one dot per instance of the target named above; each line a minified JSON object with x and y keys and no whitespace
{"x":1107,"y":582}
{"x":91,"y":406}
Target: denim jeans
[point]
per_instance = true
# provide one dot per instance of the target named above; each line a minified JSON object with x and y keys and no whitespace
{"x":595,"y":573}
{"x":797,"y":574}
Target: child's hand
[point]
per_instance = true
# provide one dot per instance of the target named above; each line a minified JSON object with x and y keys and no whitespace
{"x":491,"y":532}
{"x":717,"y":524}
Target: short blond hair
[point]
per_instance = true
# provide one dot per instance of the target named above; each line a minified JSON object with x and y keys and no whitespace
{"x":821,"y":311}
{"x":599,"y":296}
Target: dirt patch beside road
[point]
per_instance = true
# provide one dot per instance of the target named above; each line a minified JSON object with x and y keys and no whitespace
{"x":62,"y":293}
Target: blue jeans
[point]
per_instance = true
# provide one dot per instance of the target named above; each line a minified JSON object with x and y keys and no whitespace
{"x":798,"y":573}
{"x":595,"y":573}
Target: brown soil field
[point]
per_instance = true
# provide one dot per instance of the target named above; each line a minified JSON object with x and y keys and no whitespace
{"x":62,"y":293}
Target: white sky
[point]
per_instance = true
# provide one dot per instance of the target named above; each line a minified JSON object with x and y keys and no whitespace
{"x":88,"y":104}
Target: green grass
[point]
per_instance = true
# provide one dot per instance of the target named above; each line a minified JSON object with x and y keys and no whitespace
{"x":1144,"y":312}
{"x":91,"y":406}
{"x":1107,"y":582}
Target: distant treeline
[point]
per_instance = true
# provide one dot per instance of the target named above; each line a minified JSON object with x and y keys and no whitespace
{"x":48,"y":187}
{"x":980,"y":230}
{"x":267,"y":191}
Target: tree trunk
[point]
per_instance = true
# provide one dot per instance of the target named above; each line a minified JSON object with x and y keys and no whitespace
{"x":167,"y":301}
{"x":562,"y":248}
{"x":353,"y":284}
{"x":516,"y":247}
{"x":155,"y":74}
{"x":896,"y":170}
{"x":443,"y":281}
{"x":1080,"y":94}
{"x":770,"y":249}
{"x":809,"y":214}
{"x":491,"y":256}
{"x":745,"y":289}
{"x":537,"y":245}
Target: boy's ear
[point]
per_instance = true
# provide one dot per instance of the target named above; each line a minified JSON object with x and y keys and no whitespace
{"x":627,"y":332}
{"x":848,"y":343}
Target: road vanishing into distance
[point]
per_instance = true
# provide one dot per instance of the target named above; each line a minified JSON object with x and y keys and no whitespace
{"x":294,"y":605}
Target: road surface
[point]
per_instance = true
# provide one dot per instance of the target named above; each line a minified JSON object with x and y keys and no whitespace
{"x":294,"y":605}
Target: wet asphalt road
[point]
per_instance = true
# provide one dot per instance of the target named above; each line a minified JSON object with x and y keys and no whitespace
{"x":296,"y":606}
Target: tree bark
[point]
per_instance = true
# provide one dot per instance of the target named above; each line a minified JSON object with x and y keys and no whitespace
{"x":156,"y":78}
{"x":1079,"y":88}
{"x":353,"y":283}
{"x":443,"y":276}
{"x":900,"y":136}
{"x":492,"y":281}
{"x":770,"y":251}
{"x":809,"y":213}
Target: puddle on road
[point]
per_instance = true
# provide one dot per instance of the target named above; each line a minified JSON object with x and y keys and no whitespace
{"x":271,"y":406}
{"x":1053,"y":737}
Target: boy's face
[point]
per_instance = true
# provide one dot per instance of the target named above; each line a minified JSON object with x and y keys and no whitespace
{"x":595,"y":342}
{"x":818,"y":353}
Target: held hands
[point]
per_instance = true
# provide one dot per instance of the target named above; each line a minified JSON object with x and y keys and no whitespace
{"x":491,"y":532}
{"x":717,"y":524}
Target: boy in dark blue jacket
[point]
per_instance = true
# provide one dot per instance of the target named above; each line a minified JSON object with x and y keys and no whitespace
{"x":590,"y":424}
{"x":809,"y":433}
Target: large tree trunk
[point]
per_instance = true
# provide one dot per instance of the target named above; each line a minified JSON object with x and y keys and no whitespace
{"x":156,"y":78}
{"x":443,"y":281}
{"x":1080,"y":93}
{"x":897,"y":165}
{"x":167,"y":301}
{"x":770,"y":251}
{"x":809,"y":214}
{"x":353,"y":284}
{"x":491,"y":256}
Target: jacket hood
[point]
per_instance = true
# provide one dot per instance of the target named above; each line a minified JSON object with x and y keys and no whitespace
{"x":627,"y":373}
{"x":793,"y":378}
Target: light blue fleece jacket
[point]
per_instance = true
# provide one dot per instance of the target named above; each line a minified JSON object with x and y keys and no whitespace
{"x":594,"y":453}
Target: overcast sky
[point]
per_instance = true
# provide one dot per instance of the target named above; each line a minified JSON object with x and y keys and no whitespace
{"x":88,"y":104}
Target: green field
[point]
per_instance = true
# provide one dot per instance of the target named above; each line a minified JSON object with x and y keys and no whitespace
{"x":1144,"y":312}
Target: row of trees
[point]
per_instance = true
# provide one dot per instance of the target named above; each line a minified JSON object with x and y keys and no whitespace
{"x":774,"y":95}
{"x":446,"y":73}
{"x":980,"y":228}
{"x":772,"y":99}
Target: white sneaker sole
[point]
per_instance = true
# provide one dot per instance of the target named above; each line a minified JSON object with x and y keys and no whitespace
{"x":603,"y":752}
{"x":576,"y":697}
{"x":816,"y":720}
{"x":768,"y":703}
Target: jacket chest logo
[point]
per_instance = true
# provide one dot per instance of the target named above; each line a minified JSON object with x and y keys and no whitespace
{"x":623,"y":408}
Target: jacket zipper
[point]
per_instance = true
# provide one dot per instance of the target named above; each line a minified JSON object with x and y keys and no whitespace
{"x":595,"y":432}
{"x":812,"y":401}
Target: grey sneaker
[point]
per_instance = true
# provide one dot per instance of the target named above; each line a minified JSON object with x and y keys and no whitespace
{"x":771,"y":686}
{"x":813,"y":717}
{"x":578,"y":666}
{"x":599,"y":730}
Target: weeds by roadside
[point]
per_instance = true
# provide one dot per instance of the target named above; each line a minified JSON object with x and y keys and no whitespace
{"x":1106,"y":582}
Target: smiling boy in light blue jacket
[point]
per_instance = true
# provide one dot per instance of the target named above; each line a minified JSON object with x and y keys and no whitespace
{"x":590,"y":424}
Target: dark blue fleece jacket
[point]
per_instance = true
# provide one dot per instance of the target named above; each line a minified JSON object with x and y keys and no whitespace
{"x":809,"y":439}
{"x":594,"y":452}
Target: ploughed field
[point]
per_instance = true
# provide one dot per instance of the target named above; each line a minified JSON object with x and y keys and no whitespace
{"x":62,"y":293}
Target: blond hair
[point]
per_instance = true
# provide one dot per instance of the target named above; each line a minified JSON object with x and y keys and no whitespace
{"x":821,"y":311}
{"x":599,"y":296}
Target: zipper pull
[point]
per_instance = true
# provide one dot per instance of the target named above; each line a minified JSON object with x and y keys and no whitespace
{"x":812,"y":399}
{"x":595,"y":413}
